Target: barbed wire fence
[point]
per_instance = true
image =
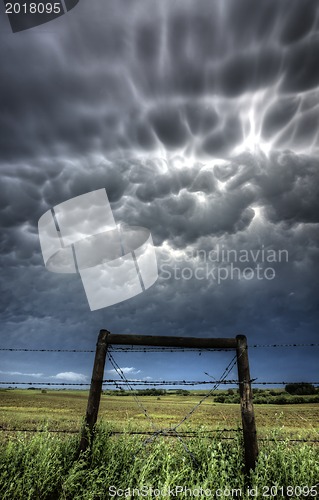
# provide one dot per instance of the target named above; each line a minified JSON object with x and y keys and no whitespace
{"x":130,"y":348}
{"x":130,"y":384}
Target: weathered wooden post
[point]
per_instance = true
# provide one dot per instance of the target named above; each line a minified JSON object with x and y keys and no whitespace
{"x":246,"y":403}
{"x":95,"y":391}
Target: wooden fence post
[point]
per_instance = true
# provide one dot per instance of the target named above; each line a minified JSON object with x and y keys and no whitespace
{"x":246,"y":403}
{"x":95,"y":391}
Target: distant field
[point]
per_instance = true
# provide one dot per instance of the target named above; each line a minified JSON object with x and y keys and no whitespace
{"x":25,"y":409}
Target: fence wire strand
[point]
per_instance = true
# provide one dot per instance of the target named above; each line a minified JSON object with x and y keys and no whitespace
{"x":156,"y":430}
{"x":184,"y":434}
{"x":120,"y":372}
{"x":121,"y":382}
{"x":227,"y":370}
{"x":133,"y":348}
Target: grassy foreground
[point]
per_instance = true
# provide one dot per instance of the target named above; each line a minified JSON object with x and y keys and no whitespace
{"x":43,"y":467}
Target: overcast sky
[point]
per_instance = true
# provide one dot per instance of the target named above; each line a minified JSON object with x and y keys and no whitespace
{"x":200,"y":119}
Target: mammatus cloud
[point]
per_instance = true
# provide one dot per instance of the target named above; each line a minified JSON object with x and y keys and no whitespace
{"x":188,"y":78}
{"x":247,"y":202}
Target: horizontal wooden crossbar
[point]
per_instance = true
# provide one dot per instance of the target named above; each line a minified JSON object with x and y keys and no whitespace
{"x":167,"y":341}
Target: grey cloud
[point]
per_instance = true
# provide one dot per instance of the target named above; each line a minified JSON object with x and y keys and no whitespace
{"x":204,"y":182}
{"x":244,"y":169}
{"x":248,"y":71}
{"x":285,"y":185}
{"x":183,"y":215}
{"x":169,"y":127}
{"x":119,"y":64}
{"x":224,"y":139}
{"x":306,"y":130}
{"x":225,"y":171}
{"x":279,"y":115}
{"x":301,"y":68}
{"x":200,"y":117}
{"x":154,"y":186}
{"x":289,"y":187}
{"x":250,"y":20}
{"x":145,"y":137}
{"x":297,"y":26}
{"x":148,"y":41}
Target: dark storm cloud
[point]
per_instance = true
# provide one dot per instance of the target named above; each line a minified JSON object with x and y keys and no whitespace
{"x":279,"y":115}
{"x":295,"y":27}
{"x":219,"y":142}
{"x":290,"y":187}
{"x":200,"y":117}
{"x":152,"y":104}
{"x":170,"y":204}
{"x":302,"y":69}
{"x":169,"y":127}
{"x":285,"y":184}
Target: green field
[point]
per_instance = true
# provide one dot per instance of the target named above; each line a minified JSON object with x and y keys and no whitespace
{"x":25,"y":409}
{"x":43,"y":465}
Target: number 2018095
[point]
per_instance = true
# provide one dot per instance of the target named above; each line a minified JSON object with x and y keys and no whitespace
{"x":33,"y":8}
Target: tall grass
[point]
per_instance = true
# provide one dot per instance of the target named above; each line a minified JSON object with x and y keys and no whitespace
{"x":43,"y":467}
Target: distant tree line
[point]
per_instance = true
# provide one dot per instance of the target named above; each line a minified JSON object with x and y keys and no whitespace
{"x":147,"y":392}
{"x":302,"y":389}
{"x":292,"y":394}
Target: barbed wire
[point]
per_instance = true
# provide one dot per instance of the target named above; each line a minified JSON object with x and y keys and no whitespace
{"x":120,"y":382}
{"x":156,"y":430}
{"x":62,"y":431}
{"x":201,"y":349}
{"x":133,"y":348}
{"x":120,"y":372}
{"x":202,"y":382}
{"x":283,"y":345}
{"x":184,"y":434}
{"x":125,"y":349}
{"x":227,"y":370}
{"x":173,"y":382}
{"x":48,"y":383}
{"x":284,"y":440}
{"x":45,"y":350}
{"x":256,"y":382}
{"x":129,"y":433}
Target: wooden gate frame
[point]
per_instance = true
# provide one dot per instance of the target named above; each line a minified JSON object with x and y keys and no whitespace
{"x":239,"y":343}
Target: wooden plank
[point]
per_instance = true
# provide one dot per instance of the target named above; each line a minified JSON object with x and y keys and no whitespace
{"x":167,"y":341}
